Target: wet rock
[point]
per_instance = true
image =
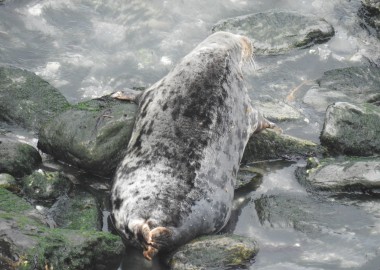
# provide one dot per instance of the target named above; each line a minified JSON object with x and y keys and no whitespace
{"x":277,"y":32}
{"x":45,"y":186}
{"x":26,"y":243}
{"x":370,"y":15}
{"x":17,"y":159}
{"x":352,"y":129}
{"x":276,"y":111}
{"x":27,"y":100}
{"x":268,"y":145}
{"x":249,"y":176}
{"x":342,"y":175}
{"x":215,"y":252}
{"x":78,"y":211}
{"x":354,"y":84}
{"x":92,"y":135}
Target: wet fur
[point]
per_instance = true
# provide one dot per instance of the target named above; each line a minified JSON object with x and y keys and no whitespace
{"x":189,"y":137}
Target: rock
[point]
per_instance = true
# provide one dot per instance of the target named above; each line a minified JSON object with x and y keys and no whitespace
{"x":8,"y":182}
{"x":276,"y":111}
{"x":370,"y":15}
{"x":79,"y":211}
{"x":347,"y":175}
{"x":27,"y":100}
{"x":277,"y":32}
{"x":17,"y":159}
{"x":352,"y":129}
{"x":45,"y":186}
{"x":249,"y":176}
{"x":354,"y":84}
{"x":92,"y":135}
{"x":26,"y":243}
{"x":268,"y":145}
{"x":215,"y":252}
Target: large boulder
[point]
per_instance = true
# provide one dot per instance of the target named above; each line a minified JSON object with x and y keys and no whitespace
{"x":352,"y":129}
{"x":27,"y":243}
{"x":92,"y":135}
{"x":277,"y":32}
{"x":268,"y":145}
{"x":27,"y":100}
{"x":16,"y":158}
{"x":215,"y":252}
{"x":337,"y":175}
{"x":370,"y":14}
{"x":353,"y":84}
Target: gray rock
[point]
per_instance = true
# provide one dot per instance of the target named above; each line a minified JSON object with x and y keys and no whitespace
{"x":17,"y":159}
{"x":26,"y":242}
{"x":277,"y":32}
{"x":352,"y":129}
{"x":372,"y":3}
{"x":347,"y":175}
{"x":370,"y":15}
{"x":79,"y":211}
{"x":8,"y":182}
{"x":27,"y":100}
{"x":216,"y":252}
{"x":354,"y":84}
{"x":268,"y":145}
{"x":92,"y":135}
{"x":45,"y":186}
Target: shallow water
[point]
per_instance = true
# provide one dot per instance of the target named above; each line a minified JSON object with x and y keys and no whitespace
{"x":89,"y":48}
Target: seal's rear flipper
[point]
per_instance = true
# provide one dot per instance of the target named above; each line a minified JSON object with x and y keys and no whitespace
{"x":152,"y":240}
{"x":127,"y":94}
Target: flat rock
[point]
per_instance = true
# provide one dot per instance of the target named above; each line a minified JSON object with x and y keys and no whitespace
{"x":16,"y":158}
{"x":92,"y":135}
{"x":353,"y":84}
{"x":342,"y":175}
{"x":352,"y":129}
{"x":276,"y":110}
{"x":27,"y":100}
{"x":277,"y":32}
{"x":215,"y":252}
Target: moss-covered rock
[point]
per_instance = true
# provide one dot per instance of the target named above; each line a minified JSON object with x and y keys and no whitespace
{"x":8,"y":182}
{"x":370,"y":15}
{"x":352,"y":129}
{"x":27,"y":100}
{"x":276,"y":32}
{"x":45,"y":186}
{"x":216,"y":252}
{"x":342,"y":175}
{"x":17,"y":159}
{"x":92,"y":135}
{"x":26,"y":243}
{"x":353,"y":84}
{"x":78,"y":211}
{"x":249,"y":176}
{"x":268,"y":145}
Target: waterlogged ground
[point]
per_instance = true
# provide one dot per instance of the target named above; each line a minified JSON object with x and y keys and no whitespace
{"x":89,"y":48}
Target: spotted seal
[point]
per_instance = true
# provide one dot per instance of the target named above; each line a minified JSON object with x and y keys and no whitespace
{"x":177,"y":179}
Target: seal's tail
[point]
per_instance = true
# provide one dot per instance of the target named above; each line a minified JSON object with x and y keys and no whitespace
{"x":152,"y":239}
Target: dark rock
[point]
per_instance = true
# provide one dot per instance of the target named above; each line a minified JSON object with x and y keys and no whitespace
{"x":79,"y":211}
{"x":354,"y":84}
{"x":277,"y":32}
{"x":216,"y":252}
{"x":26,"y":243}
{"x":352,"y":129}
{"x":370,"y":15}
{"x":268,"y":145}
{"x":45,"y":186}
{"x":347,"y":175}
{"x":249,"y":176}
{"x":27,"y":100}
{"x":17,"y":159}
{"x":92,"y":135}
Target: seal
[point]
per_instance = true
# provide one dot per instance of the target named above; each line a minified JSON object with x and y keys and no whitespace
{"x":177,"y":179}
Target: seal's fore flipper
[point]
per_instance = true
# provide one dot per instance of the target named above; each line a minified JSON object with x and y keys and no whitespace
{"x":263,"y":123}
{"x":151,"y":239}
{"x":127,"y":94}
